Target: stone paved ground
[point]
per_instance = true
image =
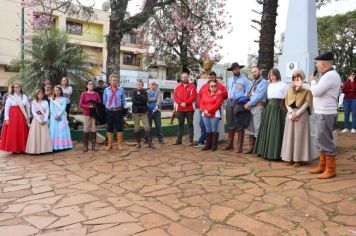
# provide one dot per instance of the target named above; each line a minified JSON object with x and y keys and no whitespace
{"x":174,"y":190}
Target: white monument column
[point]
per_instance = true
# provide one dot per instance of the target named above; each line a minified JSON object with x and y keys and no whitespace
{"x":300,"y":45}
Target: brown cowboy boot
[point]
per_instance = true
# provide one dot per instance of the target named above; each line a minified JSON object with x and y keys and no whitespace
{"x":230,"y":140}
{"x":208,"y":142}
{"x":85,"y":141}
{"x":214,"y":141}
{"x":321,"y":167}
{"x":110,"y":139}
{"x":330,"y":170}
{"x":149,"y":139}
{"x":240,"y":141}
{"x":120,"y":141}
{"x":252,"y":140}
{"x":138,"y":139}
{"x":94,"y":146}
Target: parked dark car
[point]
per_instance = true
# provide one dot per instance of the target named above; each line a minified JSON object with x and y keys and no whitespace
{"x":167,"y":104}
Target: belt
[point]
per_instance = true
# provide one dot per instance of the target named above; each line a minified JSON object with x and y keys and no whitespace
{"x":260,"y":104}
{"x":232,"y":100}
{"x":114,"y":109}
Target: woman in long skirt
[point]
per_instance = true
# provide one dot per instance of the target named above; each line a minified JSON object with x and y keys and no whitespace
{"x":16,"y":120}
{"x":269,"y":139}
{"x":39,"y":140}
{"x":58,"y":125}
{"x":296,"y":139}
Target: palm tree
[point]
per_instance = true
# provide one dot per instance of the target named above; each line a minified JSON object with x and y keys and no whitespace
{"x":49,"y":56}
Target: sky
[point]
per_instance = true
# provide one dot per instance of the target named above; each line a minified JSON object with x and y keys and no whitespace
{"x":238,"y":44}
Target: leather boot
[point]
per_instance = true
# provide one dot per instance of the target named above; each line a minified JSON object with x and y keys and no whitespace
{"x":120,"y":142}
{"x":321,"y":167}
{"x":86,"y":140}
{"x":149,"y":139}
{"x":138,"y":139}
{"x":252,"y":140}
{"x":94,"y":146}
{"x":208,"y":142}
{"x":214,"y":141}
{"x":240,"y":141}
{"x":230,"y":140}
{"x":330,"y":170}
{"x":110,"y":139}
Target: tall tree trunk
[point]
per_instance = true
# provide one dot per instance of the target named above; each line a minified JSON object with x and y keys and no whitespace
{"x":113,"y":46}
{"x":267,"y":34}
{"x":117,"y":17}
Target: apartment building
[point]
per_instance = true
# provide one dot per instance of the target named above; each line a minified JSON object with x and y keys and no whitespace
{"x":90,"y":35}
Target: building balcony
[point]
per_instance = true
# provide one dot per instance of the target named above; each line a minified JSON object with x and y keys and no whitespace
{"x":94,"y":38}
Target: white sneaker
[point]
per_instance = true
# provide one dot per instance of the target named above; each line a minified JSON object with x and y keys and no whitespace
{"x":344,"y":131}
{"x":353,"y":131}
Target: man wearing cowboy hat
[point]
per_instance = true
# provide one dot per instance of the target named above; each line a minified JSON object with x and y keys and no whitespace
{"x":325,"y":93}
{"x":237,"y":87}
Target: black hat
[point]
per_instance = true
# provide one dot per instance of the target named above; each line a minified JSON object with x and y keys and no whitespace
{"x":234,"y":65}
{"x":328,"y":56}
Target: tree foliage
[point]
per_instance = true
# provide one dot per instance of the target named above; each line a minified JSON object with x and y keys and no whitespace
{"x":48,"y":56}
{"x":186,"y":32}
{"x":338,"y":34}
{"x":121,"y":24}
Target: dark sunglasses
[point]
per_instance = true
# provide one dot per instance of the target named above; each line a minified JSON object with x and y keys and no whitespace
{"x":294,"y":77}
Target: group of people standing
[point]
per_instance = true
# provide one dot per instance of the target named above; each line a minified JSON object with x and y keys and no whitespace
{"x":49,"y":130}
{"x":274,"y":115}
{"x":278,"y":121}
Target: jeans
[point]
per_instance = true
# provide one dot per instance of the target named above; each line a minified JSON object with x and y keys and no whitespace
{"x":137,"y":117}
{"x":350,"y":107}
{"x":181,"y":118}
{"x":68,"y":106}
{"x":156,"y":118}
{"x":211,"y":124}
{"x":202,"y":129}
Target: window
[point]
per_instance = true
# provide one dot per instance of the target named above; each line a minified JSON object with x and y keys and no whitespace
{"x":130,"y":38}
{"x":131,"y":59}
{"x":74,"y":28}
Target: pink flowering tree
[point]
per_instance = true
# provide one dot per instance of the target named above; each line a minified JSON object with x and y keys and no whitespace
{"x":186,"y":32}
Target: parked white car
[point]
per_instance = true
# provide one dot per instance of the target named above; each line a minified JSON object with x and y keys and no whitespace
{"x":128,"y":103}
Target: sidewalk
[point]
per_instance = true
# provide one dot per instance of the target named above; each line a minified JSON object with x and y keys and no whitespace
{"x":174,"y":190}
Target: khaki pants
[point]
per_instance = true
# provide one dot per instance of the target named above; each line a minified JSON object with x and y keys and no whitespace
{"x":89,"y":124}
{"x":137,"y":117}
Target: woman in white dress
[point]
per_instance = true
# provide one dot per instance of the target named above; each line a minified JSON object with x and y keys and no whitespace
{"x":39,"y":140}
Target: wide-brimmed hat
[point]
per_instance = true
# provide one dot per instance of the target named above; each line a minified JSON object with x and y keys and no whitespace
{"x":235,"y":65}
{"x":328,"y":56}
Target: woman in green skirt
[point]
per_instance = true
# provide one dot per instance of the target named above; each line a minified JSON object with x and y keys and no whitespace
{"x":270,"y":136}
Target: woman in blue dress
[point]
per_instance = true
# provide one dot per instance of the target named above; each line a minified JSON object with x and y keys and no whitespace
{"x":58,"y":125}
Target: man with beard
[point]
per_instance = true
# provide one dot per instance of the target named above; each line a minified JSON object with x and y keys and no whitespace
{"x":237,"y":87}
{"x":258,"y":99}
{"x":184,"y":95}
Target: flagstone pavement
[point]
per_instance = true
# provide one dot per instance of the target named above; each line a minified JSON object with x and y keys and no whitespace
{"x":174,"y":190}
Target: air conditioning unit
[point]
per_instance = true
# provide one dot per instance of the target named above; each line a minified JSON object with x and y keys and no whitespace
{"x":97,"y":49}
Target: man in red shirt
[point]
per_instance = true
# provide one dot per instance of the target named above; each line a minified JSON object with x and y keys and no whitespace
{"x":184,"y":95}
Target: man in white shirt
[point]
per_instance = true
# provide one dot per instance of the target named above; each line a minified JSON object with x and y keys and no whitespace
{"x":325,"y":93}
